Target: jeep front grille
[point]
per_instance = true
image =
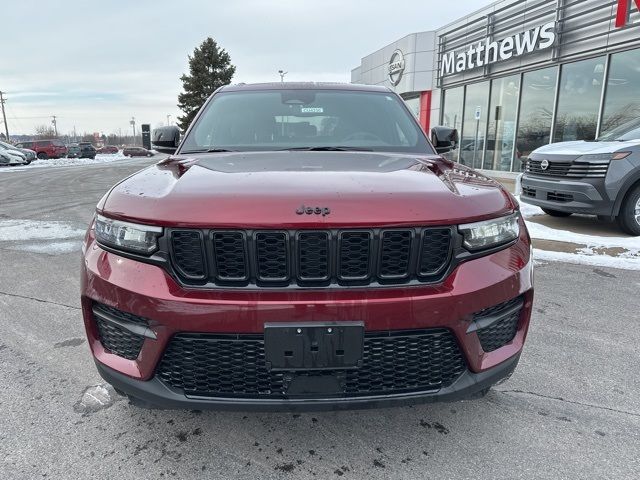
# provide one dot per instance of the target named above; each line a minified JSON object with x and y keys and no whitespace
{"x":310,"y":258}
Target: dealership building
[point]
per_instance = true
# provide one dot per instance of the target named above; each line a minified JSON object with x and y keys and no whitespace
{"x":517,"y":75}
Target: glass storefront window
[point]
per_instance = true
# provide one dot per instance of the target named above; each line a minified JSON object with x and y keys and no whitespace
{"x":474,"y":124}
{"x":579,"y":100}
{"x":536,"y":110}
{"x":622,"y":99}
{"x":452,"y":114}
{"x":414,"y":105}
{"x":502,"y":123}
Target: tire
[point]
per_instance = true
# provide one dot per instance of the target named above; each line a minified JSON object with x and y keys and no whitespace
{"x":556,"y":213}
{"x":629,"y":217}
{"x":42,"y":156}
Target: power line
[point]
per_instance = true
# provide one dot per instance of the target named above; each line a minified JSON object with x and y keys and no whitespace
{"x":13,"y":117}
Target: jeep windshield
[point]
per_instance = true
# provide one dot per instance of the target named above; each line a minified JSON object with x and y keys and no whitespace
{"x":305,"y":119}
{"x":623,"y":133}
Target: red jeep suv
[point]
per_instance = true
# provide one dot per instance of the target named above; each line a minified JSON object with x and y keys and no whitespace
{"x":46,"y":148}
{"x":305,"y":248}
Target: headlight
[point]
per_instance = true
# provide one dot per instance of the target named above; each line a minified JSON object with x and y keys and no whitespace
{"x":127,"y":236}
{"x":490,"y":233}
{"x":603,"y":157}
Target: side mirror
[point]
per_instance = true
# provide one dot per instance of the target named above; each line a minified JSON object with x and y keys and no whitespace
{"x":444,"y":139}
{"x":166,"y":139}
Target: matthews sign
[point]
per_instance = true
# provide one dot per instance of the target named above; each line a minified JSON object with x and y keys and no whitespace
{"x":487,"y":52}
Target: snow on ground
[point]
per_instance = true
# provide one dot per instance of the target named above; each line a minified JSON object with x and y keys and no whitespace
{"x":40,"y":236}
{"x":582,"y":259}
{"x":591,"y":254}
{"x":67,"y":162}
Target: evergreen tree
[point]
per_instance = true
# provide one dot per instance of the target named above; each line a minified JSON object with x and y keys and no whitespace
{"x":209,"y":68}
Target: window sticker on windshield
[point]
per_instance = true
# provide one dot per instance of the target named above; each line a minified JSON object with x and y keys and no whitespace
{"x":311,"y":110}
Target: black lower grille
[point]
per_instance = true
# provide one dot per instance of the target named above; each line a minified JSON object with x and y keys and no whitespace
{"x":234,"y":365}
{"x":115,"y":338}
{"x":559,"y":197}
{"x":529,"y":192}
{"x":501,"y":324}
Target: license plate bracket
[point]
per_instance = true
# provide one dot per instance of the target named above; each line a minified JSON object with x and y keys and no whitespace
{"x":313,"y":345}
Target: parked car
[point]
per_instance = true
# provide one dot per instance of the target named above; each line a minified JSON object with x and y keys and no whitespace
{"x":600,"y":177}
{"x":87,"y":150}
{"x":29,"y":155}
{"x":343,"y":264}
{"x":44,"y":149}
{"x":136,"y":152}
{"x":73,"y":150}
{"x":12,"y":157}
{"x":108,"y":149}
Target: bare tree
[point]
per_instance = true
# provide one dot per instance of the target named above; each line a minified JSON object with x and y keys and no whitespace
{"x":44,"y":131}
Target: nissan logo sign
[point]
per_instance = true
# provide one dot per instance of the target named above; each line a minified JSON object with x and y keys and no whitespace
{"x":396,"y":67}
{"x":544,"y":164}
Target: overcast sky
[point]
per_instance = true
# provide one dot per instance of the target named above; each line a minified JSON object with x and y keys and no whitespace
{"x":97,"y":64}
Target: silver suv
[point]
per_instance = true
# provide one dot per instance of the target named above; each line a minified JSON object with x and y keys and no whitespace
{"x":600,"y":177}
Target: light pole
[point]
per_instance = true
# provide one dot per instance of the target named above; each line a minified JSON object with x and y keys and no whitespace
{"x":282,"y":73}
{"x":6,"y":127}
{"x":168,"y":121}
{"x":133,"y":124}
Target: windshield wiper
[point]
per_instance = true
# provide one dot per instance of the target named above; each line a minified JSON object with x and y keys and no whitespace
{"x":210,"y":150}
{"x":329,"y":149}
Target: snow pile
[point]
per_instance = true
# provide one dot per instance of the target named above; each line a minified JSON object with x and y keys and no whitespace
{"x":529,"y":210}
{"x":627,"y":248}
{"x":594,"y":260}
{"x":12,"y":230}
{"x":68,"y":162}
{"x":40,"y":236}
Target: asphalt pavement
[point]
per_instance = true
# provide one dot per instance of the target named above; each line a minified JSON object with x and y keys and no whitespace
{"x":571,"y":409}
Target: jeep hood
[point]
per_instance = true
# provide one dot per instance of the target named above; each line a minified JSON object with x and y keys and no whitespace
{"x":264,"y":189}
{"x":578,"y":148}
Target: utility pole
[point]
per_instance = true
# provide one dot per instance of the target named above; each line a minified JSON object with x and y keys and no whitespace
{"x":4,"y":116}
{"x":282,"y":73}
{"x":133,"y":124}
{"x":55,"y":124}
{"x":168,"y":123}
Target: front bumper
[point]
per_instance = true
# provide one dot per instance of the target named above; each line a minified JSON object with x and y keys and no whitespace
{"x":157,"y":394}
{"x":587,"y":196}
{"x":148,"y":291}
